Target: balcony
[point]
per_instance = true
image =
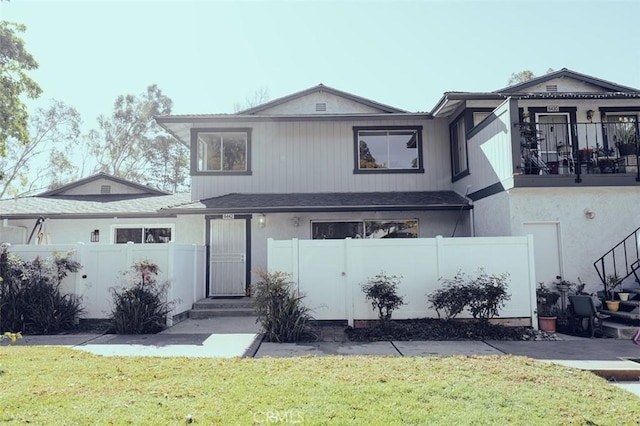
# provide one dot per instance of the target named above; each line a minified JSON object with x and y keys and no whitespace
{"x":597,"y":153}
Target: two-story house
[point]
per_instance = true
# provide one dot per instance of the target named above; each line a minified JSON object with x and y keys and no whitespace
{"x":317,"y":164}
{"x":546,"y":157}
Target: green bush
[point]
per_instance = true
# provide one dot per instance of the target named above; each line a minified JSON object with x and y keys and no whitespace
{"x":382,"y":292}
{"x":483,"y":295}
{"x":31,"y":299}
{"x":280,"y":311}
{"x":141,"y":307}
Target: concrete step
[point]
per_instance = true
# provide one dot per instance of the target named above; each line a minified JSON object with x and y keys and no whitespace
{"x":240,"y":303}
{"x":618,"y":330}
{"x":222,"y":312}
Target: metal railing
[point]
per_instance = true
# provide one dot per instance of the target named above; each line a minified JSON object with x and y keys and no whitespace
{"x":621,"y":261}
{"x":576,"y":149}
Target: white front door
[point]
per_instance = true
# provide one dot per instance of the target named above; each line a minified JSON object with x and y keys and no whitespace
{"x":228,"y":258}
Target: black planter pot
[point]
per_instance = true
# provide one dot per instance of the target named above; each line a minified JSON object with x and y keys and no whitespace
{"x":627,"y":149}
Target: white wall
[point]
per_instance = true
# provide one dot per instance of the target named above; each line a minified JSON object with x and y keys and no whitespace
{"x":181,"y":265}
{"x":318,"y":156}
{"x":330,"y":272}
{"x":583,"y":240}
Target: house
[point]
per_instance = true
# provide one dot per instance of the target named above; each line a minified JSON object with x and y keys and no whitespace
{"x":544,"y":157}
{"x":548,"y":157}
{"x":317,"y":164}
{"x":100,"y":209}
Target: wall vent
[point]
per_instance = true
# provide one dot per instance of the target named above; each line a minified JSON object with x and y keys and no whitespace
{"x":321,"y":106}
{"x":552,"y":88}
{"x":105,"y":189}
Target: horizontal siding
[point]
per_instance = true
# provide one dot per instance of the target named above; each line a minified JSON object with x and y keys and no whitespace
{"x":318,"y":156}
{"x":490,"y":153}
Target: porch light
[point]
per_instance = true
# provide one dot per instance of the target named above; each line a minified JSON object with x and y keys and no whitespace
{"x":590,"y":115}
{"x":262,"y":220}
{"x":296,"y":221}
{"x":95,"y":236}
{"x":589,"y":214}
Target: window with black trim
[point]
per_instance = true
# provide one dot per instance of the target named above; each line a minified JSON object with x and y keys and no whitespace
{"x":221,"y":151}
{"x":388,"y":149}
{"x":373,"y":229}
{"x":459,"y":159}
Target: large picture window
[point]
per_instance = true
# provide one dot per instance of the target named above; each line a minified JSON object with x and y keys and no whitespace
{"x":394,"y":149}
{"x":382,"y":228}
{"x":221,"y":151}
{"x":152,"y":234}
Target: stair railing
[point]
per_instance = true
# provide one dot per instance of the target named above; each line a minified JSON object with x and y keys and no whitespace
{"x":621,"y":261}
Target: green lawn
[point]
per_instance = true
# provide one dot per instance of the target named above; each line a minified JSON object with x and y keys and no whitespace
{"x":45,"y":385}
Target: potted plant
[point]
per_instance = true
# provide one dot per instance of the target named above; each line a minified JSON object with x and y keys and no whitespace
{"x":612,"y":282}
{"x":529,"y":141}
{"x":547,"y":310}
{"x":624,"y":136}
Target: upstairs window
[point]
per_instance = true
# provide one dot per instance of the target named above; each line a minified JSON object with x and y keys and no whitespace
{"x":459,"y":160}
{"x":220,"y":151}
{"x":389,"y":150}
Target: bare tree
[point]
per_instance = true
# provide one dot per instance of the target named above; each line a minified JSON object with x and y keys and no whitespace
{"x":524,"y":76}
{"x":258,"y":97}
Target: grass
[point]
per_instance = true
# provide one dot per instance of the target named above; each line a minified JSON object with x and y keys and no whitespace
{"x":48,"y":385}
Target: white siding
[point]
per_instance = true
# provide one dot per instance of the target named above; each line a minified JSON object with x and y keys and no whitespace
{"x":334,"y":105}
{"x":318,"y":156}
{"x":490,"y":153}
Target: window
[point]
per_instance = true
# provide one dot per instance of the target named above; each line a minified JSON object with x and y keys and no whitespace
{"x":397,"y":149}
{"x":459,"y":163}
{"x":383,"y":228}
{"x":220,"y":151}
{"x":142,"y":234}
{"x":622,"y":129}
{"x":478,"y":116}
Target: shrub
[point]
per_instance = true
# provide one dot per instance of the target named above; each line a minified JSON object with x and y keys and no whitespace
{"x":487,"y":294}
{"x":32,"y":301}
{"x":382,"y":291}
{"x":280,"y":311}
{"x":483,"y":295}
{"x":451,"y":298}
{"x":141,"y":307}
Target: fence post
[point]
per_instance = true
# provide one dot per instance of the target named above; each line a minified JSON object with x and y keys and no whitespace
{"x":439,"y":253}
{"x":533,"y":305}
{"x":295,"y":262}
{"x":171,"y":258}
{"x":80,"y":257}
{"x":349,"y":287}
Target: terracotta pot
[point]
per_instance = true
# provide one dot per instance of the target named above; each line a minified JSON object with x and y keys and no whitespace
{"x":613,"y":305}
{"x":547,"y":324}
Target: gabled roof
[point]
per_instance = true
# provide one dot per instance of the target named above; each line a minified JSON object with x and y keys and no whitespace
{"x":450,"y":101}
{"x":62,"y":191}
{"x":334,"y":201}
{"x":607,"y":86}
{"x":316,"y":89}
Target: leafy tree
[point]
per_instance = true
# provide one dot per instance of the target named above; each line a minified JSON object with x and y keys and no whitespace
{"x":54,"y":132}
{"x":130,"y":144}
{"x":520,"y":77}
{"x":14,"y":62}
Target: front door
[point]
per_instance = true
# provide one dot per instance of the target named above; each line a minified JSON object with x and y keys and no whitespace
{"x":555,"y":146}
{"x":228,"y":257}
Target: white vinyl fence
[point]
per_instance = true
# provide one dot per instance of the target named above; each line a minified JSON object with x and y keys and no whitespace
{"x":329,"y":273}
{"x":181,"y":265}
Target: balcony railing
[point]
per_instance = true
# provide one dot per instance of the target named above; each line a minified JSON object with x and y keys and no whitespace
{"x":576,"y":149}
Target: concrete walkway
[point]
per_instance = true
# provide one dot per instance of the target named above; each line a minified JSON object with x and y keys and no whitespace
{"x":240,"y":337}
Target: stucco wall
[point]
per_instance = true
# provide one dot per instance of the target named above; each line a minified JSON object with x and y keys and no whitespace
{"x":583,"y":240}
{"x":491,"y":216}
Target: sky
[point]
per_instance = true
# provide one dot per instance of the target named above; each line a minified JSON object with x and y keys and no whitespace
{"x":209,"y":55}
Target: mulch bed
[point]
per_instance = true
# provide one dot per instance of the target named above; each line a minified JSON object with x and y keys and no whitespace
{"x":437,"y":329}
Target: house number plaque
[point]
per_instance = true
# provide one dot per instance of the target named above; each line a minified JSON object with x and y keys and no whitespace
{"x":228,"y":216}
{"x":553,"y":108}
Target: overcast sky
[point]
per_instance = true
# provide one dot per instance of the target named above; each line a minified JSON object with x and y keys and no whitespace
{"x":208,"y":55}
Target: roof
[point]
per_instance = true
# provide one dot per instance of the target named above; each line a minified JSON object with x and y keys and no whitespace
{"x":335,"y":201}
{"x":73,"y":185}
{"x":128,"y":205}
{"x":451,"y":100}
{"x":320,"y":88}
{"x":608,"y":86}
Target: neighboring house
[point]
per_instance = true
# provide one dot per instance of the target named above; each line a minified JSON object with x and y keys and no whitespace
{"x":101,"y":209}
